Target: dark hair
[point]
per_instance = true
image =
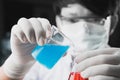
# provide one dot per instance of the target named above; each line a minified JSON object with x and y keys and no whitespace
{"x":101,"y":8}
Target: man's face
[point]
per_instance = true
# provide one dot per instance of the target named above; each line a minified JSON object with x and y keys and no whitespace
{"x":82,"y":26}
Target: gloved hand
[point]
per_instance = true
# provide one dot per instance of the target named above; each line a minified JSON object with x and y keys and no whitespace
{"x":99,"y":64}
{"x":24,"y":37}
{"x":26,"y":34}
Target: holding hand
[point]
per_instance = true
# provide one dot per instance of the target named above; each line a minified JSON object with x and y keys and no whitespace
{"x":99,"y":64}
{"x":25,"y":35}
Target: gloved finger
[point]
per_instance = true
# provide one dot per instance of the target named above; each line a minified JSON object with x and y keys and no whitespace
{"x":105,"y":69}
{"x":40,"y":33}
{"x":27,"y":28}
{"x":102,"y":77}
{"x":98,"y":60}
{"x":46,"y":25}
{"x":18,"y":35}
{"x":117,"y":53}
{"x":89,"y":54}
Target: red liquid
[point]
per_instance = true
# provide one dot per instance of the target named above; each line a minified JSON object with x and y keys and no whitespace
{"x":75,"y":76}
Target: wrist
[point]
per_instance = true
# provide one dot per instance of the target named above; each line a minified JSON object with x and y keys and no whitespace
{"x":16,"y":68}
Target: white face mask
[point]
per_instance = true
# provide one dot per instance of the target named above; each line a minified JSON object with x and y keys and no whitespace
{"x":87,"y":36}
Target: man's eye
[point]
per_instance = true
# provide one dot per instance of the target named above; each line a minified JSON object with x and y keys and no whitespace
{"x":73,"y":20}
{"x":91,"y":20}
{"x":94,"y":20}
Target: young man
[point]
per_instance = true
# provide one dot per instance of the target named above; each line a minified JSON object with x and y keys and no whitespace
{"x":87,"y":23}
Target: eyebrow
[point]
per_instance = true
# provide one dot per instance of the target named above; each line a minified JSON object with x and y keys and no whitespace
{"x":74,"y":15}
{"x":82,"y":17}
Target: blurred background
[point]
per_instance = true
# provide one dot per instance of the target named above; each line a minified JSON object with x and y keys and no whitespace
{"x":12,"y":10}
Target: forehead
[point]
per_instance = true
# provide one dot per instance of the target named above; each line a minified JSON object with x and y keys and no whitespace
{"x":76,"y":10}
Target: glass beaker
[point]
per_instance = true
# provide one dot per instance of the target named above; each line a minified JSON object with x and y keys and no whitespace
{"x":56,"y":46}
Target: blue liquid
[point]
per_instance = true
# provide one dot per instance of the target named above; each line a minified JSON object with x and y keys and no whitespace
{"x":49,"y":54}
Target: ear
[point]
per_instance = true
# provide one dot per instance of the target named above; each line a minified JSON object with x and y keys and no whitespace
{"x":114,"y":21}
{"x":58,"y":21}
